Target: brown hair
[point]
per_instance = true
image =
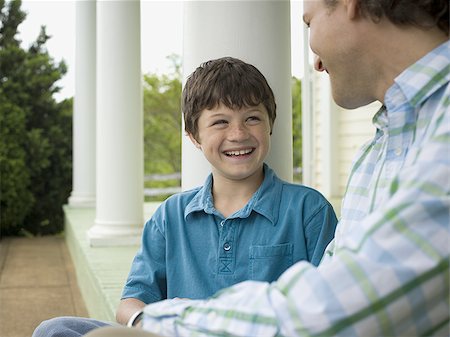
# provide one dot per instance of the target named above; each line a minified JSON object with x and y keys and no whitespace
{"x":226,"y":81}
{"x":421,"y":13}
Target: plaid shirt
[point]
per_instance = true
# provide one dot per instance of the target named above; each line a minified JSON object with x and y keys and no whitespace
{"x":387,"y":272}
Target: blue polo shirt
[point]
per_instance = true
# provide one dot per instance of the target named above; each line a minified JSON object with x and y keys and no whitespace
{"x":190,"y":250}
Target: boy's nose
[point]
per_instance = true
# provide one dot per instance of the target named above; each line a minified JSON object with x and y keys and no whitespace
{"x":238,"y":132}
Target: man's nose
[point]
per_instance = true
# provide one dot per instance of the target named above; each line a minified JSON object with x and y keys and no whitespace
{"x":318,"y":63}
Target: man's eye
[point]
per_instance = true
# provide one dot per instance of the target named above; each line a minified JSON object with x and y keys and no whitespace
{"x":219,"y":122}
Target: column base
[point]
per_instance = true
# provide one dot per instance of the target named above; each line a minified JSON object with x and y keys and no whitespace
{"x":114,"y":234}
{"x":78,"y":200}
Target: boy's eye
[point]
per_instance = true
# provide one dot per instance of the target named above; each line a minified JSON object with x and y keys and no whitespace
{"x":253,"y":119}
{"x":219,"y":122}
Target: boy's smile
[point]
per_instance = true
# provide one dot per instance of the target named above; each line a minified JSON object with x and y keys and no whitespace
{"x":239,"y":152}
{"x":235,"y":142}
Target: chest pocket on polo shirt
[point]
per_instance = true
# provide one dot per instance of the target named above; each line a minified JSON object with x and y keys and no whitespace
{"x":267,"y":263}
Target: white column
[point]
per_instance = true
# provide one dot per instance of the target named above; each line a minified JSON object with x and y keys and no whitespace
{"x":120,"y":183}
{"x":258,"y":32}
{"x":83,"y":175}
{"x":330,"y":140}
{"x":307,"y":115}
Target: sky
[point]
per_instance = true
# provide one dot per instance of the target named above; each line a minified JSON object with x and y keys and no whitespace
{"x":59,"y":18}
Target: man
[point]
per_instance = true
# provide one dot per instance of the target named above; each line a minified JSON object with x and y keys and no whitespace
{"x":387,"y":271}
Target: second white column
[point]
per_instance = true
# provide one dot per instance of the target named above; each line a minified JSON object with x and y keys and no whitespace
{"x":119,"y":212}
{"x":258,"y":32}
{"x":84,"y":106}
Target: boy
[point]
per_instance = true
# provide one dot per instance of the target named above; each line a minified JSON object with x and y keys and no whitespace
{"x":244,"y":223}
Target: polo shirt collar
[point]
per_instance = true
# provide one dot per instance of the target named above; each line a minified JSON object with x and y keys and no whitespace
{"x":265,"y":201}
{"x":203,"y":200}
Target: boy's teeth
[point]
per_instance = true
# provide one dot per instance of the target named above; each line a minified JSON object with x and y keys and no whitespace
{"x":237,"y":153}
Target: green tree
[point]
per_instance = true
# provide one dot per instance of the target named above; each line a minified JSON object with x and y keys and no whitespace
{"x":297,"y":126}
{"x":35,"y":146}
{"x":162,"y":123}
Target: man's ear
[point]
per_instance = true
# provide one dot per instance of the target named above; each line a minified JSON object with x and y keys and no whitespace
{"x":194,"y":141}
{"x":352,"y":8}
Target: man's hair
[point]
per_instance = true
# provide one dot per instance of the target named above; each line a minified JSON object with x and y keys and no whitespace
{"x":226,"y":81}
{"x":420,"y":13}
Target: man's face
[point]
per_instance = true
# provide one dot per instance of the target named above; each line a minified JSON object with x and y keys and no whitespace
{"x":338,"y":42}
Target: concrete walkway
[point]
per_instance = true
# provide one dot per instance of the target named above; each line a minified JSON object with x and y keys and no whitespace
{"x":37,"y":282}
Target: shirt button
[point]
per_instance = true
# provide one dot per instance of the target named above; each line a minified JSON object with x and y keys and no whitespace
{"x":398,"y":151}
{"x":226,"y":246}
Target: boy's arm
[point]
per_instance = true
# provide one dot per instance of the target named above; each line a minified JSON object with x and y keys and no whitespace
{"x":319,"y":232}
{"x":146,"y":282}
{"x":127,"y":307}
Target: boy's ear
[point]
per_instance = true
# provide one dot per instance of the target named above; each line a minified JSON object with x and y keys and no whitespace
{"x":194,"y":141}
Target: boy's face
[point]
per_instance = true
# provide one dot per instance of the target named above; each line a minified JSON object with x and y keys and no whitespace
{"x":235,"y":142}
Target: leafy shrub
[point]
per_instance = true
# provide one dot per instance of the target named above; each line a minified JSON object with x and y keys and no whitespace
{"x":36,"y":133}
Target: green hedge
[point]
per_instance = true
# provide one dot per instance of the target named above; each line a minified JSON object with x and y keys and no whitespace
{"x":36,"y":133}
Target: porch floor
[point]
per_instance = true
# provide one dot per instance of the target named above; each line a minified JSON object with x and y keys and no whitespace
{"x":37,"y":282}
